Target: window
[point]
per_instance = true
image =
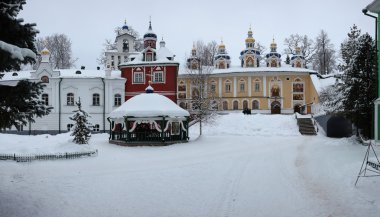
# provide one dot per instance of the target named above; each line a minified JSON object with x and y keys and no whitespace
{"x":69,"y":126}
{"x":138,"y":77}
{"x":255,"y":104}
{"x":213,"y":86}
{"x":242,"y":87}
{"x":298,"y":87}
{"x":257,"y":85}
{"x":45,"y":79}
{"x":227,"y":86}
{"x":125,"y":45}
{"x":158,"y":77}
{"x":149,"y":57}
{"x":117,"y":101}
{"x":182,"y":86}
{"x":70,"y":99}
{"x":181,"y":95}
{"x":119,"y":59}
{"x":45,"y":99}
{"x":275,"y":90}
{"x":95,"y":99}
{"x":95,"y":128}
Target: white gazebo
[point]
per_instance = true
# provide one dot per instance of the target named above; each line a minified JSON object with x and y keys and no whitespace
{"x":149,"y":119}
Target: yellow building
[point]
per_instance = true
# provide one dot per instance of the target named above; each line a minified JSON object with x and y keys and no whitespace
{"x":274,"y":88}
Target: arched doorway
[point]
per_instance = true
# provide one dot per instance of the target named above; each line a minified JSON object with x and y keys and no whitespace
{"x":275,"y":107}
{"x":225,"y":105}
{"x":297,"y":108}
{"x":235,"y":105}
{"x":245,"y":104}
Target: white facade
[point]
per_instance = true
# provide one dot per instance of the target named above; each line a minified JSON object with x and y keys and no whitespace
{"x":100,"y":91}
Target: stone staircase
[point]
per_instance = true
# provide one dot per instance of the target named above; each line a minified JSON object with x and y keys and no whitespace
{"x":306,"y":126}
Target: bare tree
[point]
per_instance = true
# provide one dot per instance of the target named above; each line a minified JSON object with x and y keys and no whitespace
{"x":107,"y":45}
{"x":59,"y":46}
{"x":203,"y":100}
{"x":324,"y":56}
{"x":302,"y":41}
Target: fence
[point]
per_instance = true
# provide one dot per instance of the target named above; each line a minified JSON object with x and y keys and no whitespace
{"x":30,"y":157}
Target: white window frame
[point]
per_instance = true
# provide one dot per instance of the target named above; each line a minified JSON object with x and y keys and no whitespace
{"x":138,"y":80}
{"x":117,"y":100}
{"x":70,"y":99}
{"x":45,"y":100}
{"x":96,"y":99}
{"x":156,"y":77}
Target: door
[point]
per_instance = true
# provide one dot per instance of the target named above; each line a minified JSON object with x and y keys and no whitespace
{"x":276,"y":107}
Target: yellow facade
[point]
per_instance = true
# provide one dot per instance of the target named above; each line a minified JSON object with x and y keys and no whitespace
{"x":258,"y":90}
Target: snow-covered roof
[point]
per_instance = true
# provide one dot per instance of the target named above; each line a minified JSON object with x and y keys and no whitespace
{"x":374,"y":7}
{"x":163,"y":53}
{"x":237,"y":69}
{"x":64,"y":73}
{"x":161,"y":59}
{"x":149,"y":105}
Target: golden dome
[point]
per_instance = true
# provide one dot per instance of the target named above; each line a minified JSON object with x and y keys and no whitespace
{"x":249,"y":40}
{"x":221,"y":45}
{"x":273,"y":45}
{"x":45,"y":52}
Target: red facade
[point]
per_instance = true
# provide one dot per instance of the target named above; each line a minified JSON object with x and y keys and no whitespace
{"x":139,"y":75}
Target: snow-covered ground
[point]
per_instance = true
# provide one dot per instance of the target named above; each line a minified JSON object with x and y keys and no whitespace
{"x":257,"y":165}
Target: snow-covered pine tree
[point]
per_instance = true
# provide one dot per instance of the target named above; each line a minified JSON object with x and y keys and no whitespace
{"x":359,"y":80}
{"x":21,"y":104}
{"x":81,"y":131}
{"x":16,"y":39}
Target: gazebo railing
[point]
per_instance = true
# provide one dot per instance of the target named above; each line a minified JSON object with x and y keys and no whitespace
{"x":147,"y":136}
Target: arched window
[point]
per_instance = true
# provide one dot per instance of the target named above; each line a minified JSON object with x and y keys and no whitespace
{"x":70,"y":99}
{"x":117,"y":101}
{"x":125,"y":45}
{"x":298,"y":64}
{"x":45,"y":79}
{"x":182,"y":105}
{"x":195,"y":93}
{"x":275,"y":90}
{"x":245,"y":104}
{"x":255,"y":104}
{"x":273,"y":63}
{"x":225,"y":105}
{"x":222,"y":65}
{"x":45,"y":99}
{"x":95,"y":99}
{"x":236,"y":105}
{"x":182,"y":86}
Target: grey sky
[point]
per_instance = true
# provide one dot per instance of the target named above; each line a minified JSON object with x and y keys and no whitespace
{"x":89,"y":23}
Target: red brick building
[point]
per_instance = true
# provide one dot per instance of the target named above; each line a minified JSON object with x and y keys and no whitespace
{"x":151,"y":64}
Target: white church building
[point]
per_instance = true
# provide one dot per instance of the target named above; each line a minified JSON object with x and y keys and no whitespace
{"x":100,"y":91}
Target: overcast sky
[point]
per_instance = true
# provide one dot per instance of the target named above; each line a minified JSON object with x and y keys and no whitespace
{"x":89,"y":23}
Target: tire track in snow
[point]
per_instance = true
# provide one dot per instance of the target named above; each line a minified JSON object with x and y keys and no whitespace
{"x":323,"y":193}
{"x":229,"y":196}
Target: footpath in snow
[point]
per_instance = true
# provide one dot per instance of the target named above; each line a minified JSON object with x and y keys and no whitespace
{"x":242,"y":166}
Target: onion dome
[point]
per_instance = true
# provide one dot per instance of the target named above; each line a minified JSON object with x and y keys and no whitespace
{"x":149,"y":89}
{"x":298,"y":51}
{"x":162,"y":42}
{"x":250,"y":38}
{"x":221,"y":45}
{"x":150,"y":34}
{"x":193,"y":51}
{"x":125,"y":26}
{"x":45,"y":55}
{"x":273,"y":46}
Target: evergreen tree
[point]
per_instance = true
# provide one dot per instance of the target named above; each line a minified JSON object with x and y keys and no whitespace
{"x":16,"y":39}
{"x":287,"y":60}
{"x":81,"y":131}
{"x":21,"y":104}
{"x":359,"y":80}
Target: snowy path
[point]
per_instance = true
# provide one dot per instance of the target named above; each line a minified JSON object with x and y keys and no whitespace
{"x":259,"y":169}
